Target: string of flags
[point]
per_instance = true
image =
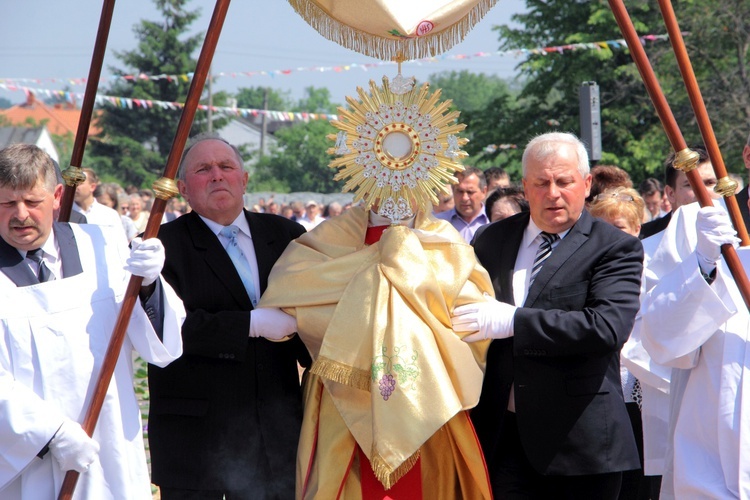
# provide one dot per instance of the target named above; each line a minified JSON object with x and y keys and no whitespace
{"x":340,"y":68}
{"x":129,"y":103}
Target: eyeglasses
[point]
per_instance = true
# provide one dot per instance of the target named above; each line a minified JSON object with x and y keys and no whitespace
{"x":617,"y":196}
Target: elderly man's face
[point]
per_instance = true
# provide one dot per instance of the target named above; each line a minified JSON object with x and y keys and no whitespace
{"x":555,"y":189}
{"x":214,"y":182}
{"x":26,"y":215}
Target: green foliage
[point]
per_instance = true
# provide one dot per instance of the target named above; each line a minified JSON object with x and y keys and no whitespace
{"x":469,"y":91}
{"x":300,"y":161}
{"x":135,"y":142}
{"x":253,"y":98}
{"x":5,"y":103}
{"x":632,"y":137}
{"x":316,"y":100}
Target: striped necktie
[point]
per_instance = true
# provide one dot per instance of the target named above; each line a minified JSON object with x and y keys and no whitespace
{"x":240,"y":261}
{"x":545,"y":249}
{"x":37,"y":255}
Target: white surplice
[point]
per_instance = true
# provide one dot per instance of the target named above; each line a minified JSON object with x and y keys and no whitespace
{"x":703,"y":330}
{"x":54,"y":338}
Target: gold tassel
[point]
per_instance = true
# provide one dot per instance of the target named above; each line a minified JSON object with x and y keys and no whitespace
{"x":387,"y":476}
{"x":384,"y":48}
{"x":343,"y":374}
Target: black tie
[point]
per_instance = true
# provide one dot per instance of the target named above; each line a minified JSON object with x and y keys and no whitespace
{"x":37,"y":255}
{"x":545,"y":249}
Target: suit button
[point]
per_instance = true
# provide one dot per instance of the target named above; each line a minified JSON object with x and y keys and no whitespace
{"x":231,"y":356}
{"x":221,"y":355}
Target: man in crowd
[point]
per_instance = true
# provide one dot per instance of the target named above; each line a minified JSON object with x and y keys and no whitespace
{"x":678,"y":191}
{"x":61,"y":288}
{"x":496,"y":177}
{"x":312,"y":215}
{"x":225,"y":418}
{"x":468,"y":214}
{"x":551,"y":418}
{"x":652,"y":191}
{"x":86,"y":203}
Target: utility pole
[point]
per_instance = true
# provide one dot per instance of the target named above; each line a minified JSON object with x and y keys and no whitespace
{"x":264,"y":123}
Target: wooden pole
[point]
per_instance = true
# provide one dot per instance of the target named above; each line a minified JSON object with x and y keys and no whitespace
{"x":164,"y":188}
{"x":73,"y":175}
{"x":685,"y":159}
{"x":726,"y":187}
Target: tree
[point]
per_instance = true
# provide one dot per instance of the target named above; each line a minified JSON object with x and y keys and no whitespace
{"x":300,"y":160}
{"x":254,"y":97}
{"x":5,"y":103}
{"x":135,"y":142}
{"x":632,"y":136}
{"x":469,"y":91}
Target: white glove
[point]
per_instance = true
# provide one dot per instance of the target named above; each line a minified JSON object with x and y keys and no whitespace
{"x":73,"y":448}
{"x":146,"y":259}
{"x":490,"y":319}
{"x":271,"y":323}
{"x":714,"y":229}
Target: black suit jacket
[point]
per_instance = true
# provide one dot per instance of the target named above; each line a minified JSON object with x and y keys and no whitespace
{"x":227,"y":414}
{"x":742,"y":198}
{"x":563,"y":360}
{"x":655,"y":226}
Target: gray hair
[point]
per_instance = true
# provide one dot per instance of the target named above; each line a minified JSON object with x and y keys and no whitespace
{"x":205,"y":136}
{"x":543,"y":146}
{"x":23,"y":165}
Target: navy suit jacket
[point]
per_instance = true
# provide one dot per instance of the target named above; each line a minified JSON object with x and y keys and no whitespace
{"x":563,"y":360}
{"x":229,"y":411}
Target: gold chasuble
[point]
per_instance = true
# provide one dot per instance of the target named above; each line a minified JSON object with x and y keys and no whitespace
{"x":390,"y":381}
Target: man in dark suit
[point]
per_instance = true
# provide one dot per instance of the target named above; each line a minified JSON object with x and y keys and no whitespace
{"x":551,"y":419}
{"x":225,"y":418}
{"x":678,"y":190}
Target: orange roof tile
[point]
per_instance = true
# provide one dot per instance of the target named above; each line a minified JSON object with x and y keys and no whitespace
{"x":59,"y":120}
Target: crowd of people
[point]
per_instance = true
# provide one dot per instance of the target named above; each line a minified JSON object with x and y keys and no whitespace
{"x":563,"y":336}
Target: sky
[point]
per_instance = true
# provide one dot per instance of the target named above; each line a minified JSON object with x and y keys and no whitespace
{"x":55,"y":39}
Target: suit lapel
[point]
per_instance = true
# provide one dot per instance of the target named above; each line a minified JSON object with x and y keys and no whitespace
{"x":66,"y":242}
{"x":508,"y":255}
{"x":217,"y":259}
{"x":13,"y":266}
{"x":577,"y":236}
{"x":263,"y":240}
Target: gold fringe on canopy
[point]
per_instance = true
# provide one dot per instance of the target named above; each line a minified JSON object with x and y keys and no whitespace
{"x":386,"y":29}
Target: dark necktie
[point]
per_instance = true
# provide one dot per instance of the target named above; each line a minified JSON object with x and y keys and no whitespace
{"x":37,"y":255}
{"x":545,"y":249}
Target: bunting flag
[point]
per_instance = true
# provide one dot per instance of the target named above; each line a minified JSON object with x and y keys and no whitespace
{"x":340,"y":68}
{"x":129,"y":103}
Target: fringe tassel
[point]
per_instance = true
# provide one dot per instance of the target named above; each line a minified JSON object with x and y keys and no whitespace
{"x":388,"y":476}
{"x":343,"y":374}
{"x":388,"y":48}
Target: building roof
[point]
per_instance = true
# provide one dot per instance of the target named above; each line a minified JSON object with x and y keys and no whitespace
{"x":19,"y":135}
{"x":59,"y":119}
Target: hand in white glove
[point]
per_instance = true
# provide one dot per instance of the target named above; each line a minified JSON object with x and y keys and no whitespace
{"x":271,"y":323}
{"x":714,"y":229}
{"x":490,"y":319}
{"x":146,"y":259}
{"x":73,"y":448}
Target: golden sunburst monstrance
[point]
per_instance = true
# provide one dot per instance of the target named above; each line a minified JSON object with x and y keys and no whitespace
{"x":397,"y":145}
